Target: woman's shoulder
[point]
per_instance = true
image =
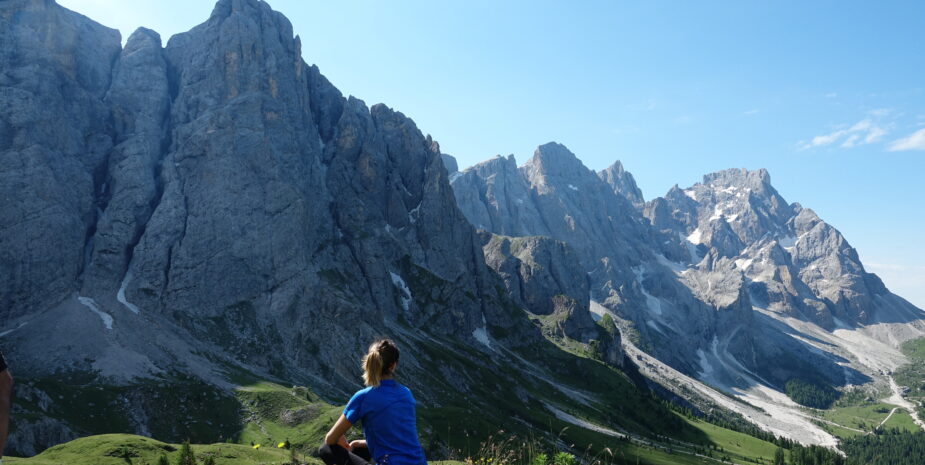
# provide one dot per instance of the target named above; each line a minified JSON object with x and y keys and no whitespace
{"x":405,"y":390}
{"x":362,"y":392}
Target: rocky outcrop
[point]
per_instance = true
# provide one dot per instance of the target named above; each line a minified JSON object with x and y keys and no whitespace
{"x":623,"y":183}
{"x":545,"y":277}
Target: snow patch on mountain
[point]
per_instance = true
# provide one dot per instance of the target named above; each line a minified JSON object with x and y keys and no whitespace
{"x":120,"y":296}
{"x":695,"y":237}
{"x":481,"y":334}
{"x":91,"y":304}
{"x":403,"y":292}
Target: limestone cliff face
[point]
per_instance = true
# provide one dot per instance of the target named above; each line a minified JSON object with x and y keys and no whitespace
{"x":545,"y":277}
{"x":216,"y":199}
{"x":792,"y":261}
{"x":55,"y":141}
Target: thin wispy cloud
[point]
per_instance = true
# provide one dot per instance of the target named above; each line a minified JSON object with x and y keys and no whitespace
{"x":864,"y":132}
{"x":751,"y":112}
{"x":881,"y":112}
{"x":831,"y":95}
{"x":914,"y":141}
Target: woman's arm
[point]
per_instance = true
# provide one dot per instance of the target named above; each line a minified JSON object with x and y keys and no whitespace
{"x":336,"y":434}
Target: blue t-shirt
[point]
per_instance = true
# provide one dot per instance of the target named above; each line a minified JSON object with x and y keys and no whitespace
{"x":389,"y":423}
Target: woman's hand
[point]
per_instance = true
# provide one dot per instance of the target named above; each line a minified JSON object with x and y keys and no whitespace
{"x":343,"y":443}
{"x":358,"y":443}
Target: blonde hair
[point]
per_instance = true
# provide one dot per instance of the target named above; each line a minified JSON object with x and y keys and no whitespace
{"x":378,"y":361}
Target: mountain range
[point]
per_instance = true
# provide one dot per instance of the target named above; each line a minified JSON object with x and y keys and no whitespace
{"x":181,"y":219}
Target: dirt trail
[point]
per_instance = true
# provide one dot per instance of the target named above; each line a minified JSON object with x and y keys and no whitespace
{"x":898,"y":399}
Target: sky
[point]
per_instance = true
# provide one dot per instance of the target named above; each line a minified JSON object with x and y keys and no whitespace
{"x":828,"y":95}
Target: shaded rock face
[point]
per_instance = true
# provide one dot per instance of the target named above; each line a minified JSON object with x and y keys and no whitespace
{"x":55,"y":139}
{"x":545,"y":277}
{"x":216,"y":199}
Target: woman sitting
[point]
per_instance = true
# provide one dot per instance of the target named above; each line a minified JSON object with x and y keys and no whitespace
{"x":386,"y":410}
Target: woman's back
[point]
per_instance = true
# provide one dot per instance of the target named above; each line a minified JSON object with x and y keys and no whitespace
{"x":387,"y":413}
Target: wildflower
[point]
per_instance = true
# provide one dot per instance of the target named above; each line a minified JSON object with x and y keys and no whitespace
{"x":281,"y":445}
{"x":256,"y":446}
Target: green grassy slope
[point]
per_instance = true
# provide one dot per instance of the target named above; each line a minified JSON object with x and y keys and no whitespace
{"x":272,"y":413}
{"x":124,"y":449}
{"x":912,"y":374}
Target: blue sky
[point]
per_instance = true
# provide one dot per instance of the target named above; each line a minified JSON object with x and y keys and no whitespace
{"x":829,"y":96}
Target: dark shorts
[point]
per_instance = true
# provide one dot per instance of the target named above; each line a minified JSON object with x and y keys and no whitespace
{"x":3,"y":366}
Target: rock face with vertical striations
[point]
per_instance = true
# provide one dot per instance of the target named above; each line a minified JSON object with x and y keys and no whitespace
{"x":217,"y":202}
{"x":55,"y":141}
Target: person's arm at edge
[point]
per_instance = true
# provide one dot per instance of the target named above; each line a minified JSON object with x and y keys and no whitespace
{"x":6,"y":391}
{"x":336,"y":434}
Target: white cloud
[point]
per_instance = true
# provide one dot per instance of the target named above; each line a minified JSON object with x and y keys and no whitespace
{"x":863,"y":132}
{"x":874,"y":134}
{"x":851,"y":141}
{"x":751,"y":112}
{"x":880,"y":112}
{"x":831,"y":95}
{"x":914,"y":141}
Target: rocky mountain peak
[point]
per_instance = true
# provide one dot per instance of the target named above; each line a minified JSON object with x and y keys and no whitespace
{"x":494,"y":164}
{"x":555,"y":159}
{"x":738,"y":177}
{"x":142,"y":38}
{"x":224,"y":8}
{"x":623,"y":183}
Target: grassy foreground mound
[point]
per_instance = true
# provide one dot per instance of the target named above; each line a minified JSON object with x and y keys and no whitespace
{"x":124,"y":449}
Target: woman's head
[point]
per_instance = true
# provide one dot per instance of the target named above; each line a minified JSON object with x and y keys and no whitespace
{"x":379,"y":361}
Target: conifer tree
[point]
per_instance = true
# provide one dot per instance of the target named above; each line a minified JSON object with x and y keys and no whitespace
{"x":186,"y":455}
{"x":779,"y":456}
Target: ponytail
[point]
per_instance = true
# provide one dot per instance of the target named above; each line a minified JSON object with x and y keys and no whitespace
{"x":378,"y":361}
